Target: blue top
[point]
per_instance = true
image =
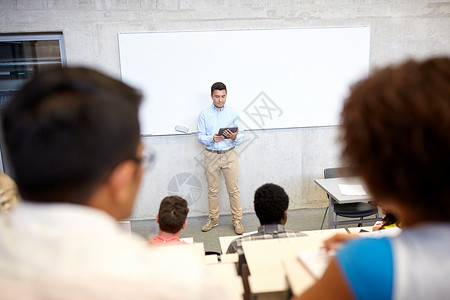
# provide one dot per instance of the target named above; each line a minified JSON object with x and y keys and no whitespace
{"x":367,"y":266}
{"x":211,"y":120}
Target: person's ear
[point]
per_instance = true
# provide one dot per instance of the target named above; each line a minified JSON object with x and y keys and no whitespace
{"x":157,"y":218}
{"x":184,"y":225}
{"x":120,"y":179}
{"x":284,"y":217}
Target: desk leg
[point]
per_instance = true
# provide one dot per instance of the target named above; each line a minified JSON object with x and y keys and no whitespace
{"x":330,"y":212}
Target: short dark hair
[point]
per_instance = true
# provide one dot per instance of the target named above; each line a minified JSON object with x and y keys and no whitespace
{"x":172,"y":214}
{"x":271,"y":201}
{"x":66,"y":129}
{"x":395,"y":129}
{"x":218,"y":86}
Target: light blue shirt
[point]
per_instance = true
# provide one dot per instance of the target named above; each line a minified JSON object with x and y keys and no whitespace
{"x":211,"y":120}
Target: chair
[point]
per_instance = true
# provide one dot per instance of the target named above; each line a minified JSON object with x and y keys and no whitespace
{"x":348,"y":210}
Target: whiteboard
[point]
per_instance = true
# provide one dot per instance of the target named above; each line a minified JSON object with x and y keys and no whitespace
{"x":276,"y":78}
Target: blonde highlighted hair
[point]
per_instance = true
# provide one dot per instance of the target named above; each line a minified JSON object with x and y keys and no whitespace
{"x":9,"y":195}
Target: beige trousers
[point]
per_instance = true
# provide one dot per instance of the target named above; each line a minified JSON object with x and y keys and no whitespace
{"x":228,"y":163}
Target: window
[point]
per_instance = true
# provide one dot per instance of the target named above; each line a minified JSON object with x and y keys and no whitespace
{"x":21,"y":57}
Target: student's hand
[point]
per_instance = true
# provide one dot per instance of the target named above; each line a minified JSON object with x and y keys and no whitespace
{"x":218,"y":138}
{"x":230,"y":134}
{"x":377,"y":225}
{"x":338,"y":240}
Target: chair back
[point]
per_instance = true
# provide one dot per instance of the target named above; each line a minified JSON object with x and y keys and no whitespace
{"x":337,"y":172}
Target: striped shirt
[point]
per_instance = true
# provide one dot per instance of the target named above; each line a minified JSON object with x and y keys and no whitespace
{"x":265,"y":232}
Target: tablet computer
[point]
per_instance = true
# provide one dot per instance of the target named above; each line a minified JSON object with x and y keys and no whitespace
{"x":232,"y":129}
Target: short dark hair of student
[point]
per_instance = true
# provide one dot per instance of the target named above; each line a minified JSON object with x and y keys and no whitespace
{"x":271,"y":201}
{"x":66,"y":129}
{"x":172,"y":214}
{"x":395,"y":129}
{"x":218,"y":86}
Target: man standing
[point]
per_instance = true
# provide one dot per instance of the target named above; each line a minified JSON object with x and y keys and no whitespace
{"x":74,"y":141}
{"x":220,"y":155}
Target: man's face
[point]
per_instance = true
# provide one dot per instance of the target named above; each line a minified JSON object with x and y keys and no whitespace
{"x":219,"y":97}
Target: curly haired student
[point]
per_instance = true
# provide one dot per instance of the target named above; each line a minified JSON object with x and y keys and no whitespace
{"x":395,"y":130}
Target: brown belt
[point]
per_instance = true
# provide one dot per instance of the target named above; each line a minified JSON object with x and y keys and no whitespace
{"x":219,"y":152}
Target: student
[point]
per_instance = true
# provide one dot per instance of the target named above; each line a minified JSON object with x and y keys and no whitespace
{"x":395,"y":129}
{"x":9,"y":195}
{"x":388,"y":226}
{"x":271,"y":203}
{"x":171,"y":218}
{"x":389,"y":221}
{"x":74,"y":142}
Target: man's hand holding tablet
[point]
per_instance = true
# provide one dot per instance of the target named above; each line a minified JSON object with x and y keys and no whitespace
{"x":228,"y":133}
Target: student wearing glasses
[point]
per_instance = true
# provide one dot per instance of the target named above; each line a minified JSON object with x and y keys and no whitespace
{"x":74,"y":141}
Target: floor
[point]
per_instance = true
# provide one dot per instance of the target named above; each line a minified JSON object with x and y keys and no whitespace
{"x":300,"y":220}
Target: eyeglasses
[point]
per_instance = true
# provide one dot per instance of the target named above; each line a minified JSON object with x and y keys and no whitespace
{"x":146,"y":159}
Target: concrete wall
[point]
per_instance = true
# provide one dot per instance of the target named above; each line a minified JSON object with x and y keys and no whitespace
{"x":289,"y":157}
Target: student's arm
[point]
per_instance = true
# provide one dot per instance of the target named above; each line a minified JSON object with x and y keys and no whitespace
{"x":331,"y":286}
{"x":232,"y":247}
{"x":338,"y":240}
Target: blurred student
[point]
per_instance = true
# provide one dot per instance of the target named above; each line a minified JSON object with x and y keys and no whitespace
{"x":74,"y":142}
{"x":9,"y":195}
{"x":388,"y":226}
{"x":271,"y":203}
{"x":395,"y":129}
{"x":389,"y":221}
{"x":171,"y":218}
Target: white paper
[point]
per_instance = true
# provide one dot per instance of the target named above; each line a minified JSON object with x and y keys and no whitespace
{"x":315,"y":260}
{"x":352,"y":190}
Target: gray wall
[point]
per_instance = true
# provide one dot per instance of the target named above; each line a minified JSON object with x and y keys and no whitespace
{"x":289,"y":157}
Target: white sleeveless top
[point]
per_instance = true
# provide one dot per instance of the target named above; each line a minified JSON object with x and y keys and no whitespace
{"x":422,"y":262}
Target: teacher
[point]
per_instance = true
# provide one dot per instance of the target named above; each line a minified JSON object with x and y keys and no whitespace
{"x":220,"y":155}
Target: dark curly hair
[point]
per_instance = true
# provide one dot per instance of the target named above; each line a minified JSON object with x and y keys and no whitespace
{"x":396,"y":131}
{"x":172,"y":213}
{"x":271,"y":201}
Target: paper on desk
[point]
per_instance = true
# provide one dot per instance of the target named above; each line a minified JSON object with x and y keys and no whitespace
{"x":352,"y":190}
{"x":315,"y":261}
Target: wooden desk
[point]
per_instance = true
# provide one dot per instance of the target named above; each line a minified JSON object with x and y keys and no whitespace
{"x":197,"y":249}
{"x":394,"y":231}
{"x":226,"y":273}
{"x":358,"y":229}
{"x":268,"y":287}
{"x":323,"y":234}
{"x":331,"y":187}
{"x":277,"y":258}
{"x":225,"y":241}
{"x":211,"y":259}
{"x":229,"y":258}
{"x":265,"y":256}
{"x":189,"y":240}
